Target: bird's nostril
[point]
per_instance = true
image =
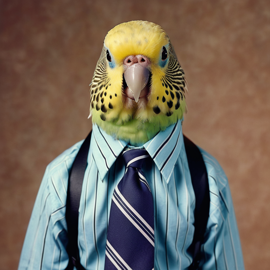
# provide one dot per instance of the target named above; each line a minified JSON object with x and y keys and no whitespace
{"x":129,"y":60}
{"x":134,"y":59}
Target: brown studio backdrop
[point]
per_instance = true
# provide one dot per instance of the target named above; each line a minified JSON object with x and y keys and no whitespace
{"x":48,"y":52}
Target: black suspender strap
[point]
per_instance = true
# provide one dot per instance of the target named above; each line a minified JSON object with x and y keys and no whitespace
{"x":73,"y":202}
{"x":200,"y":185}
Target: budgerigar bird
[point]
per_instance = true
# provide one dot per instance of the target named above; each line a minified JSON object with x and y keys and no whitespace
{"x":138,"y":87}
{"x":125,"y":197}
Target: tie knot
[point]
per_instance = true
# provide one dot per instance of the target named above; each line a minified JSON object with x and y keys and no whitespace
{"x":135,"y":157}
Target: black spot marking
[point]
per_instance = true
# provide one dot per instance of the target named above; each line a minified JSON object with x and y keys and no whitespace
{"x":167,"y":92}
{"x":163,"y":99}
{"x":103,"y":108}
{"x":110,"y":106}
{"x":177,"y":105}
{"x":157,"y":98}
{"x":170,"y":104}
{"x":162,"y":84}
{"x":94,"y":98}
{"x":102,"y":100}
{"x":103,"y":117}
{"x":156,"y":109}
{"x":101,"y":87}
{"x":101,"y":94}
{"x":97,"y":97}
{"x":169,"y":113}
{"x":105,"y":94}
{"x":115,"y":95}
{"x":110,"y":97}
{"x":177,"y":95}
{"x":172,"y":95}
{"x":92,"y":104}
{"x":176,"y":87}
{"x":97,"y":107}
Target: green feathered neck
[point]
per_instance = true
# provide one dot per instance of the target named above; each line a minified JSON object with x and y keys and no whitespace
{"x":137,"y":132}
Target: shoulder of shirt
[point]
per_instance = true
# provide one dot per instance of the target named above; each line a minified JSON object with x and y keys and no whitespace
{"x":55,"y":182}
{"x":218,"y":181}
{"x":66,"y":158}
{"x":214,"y":169}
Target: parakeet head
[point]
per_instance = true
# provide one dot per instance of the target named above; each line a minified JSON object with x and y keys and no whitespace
{"x":138,"y":87}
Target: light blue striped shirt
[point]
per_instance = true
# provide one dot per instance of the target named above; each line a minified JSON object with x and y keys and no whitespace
{"x":174,"y":201}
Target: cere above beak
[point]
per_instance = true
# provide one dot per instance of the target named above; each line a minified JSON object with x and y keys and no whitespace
{"x":136,"y":76}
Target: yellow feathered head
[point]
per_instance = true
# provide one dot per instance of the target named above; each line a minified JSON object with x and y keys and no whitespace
{"x":138,"y":87}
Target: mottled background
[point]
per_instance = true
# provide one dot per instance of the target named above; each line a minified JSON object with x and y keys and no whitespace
{"x":48,"y":51}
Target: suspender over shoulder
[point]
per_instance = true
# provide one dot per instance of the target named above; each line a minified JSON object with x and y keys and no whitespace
{"x":200,"y":185}
{"x":201,"y":189}
{"x":73,"y":202}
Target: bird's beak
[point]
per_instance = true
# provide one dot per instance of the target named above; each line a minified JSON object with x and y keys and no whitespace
{"x":136,"y":77}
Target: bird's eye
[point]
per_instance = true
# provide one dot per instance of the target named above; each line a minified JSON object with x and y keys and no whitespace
{"x":109,"y":58}
{"x":164,"y":54}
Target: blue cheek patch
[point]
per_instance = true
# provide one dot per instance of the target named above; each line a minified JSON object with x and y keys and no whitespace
{"x":163,"y":63}
{"x":111,"y":64}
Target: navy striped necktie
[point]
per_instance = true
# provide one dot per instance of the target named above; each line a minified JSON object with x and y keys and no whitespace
{"x":130,"y":237}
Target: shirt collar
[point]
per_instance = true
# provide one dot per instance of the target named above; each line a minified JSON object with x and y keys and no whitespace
{"x":164,"y":149}
{"x":105,"y":149}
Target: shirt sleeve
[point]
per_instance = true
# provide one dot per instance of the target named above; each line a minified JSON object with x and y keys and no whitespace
{"x":222,"y":247}
{"x":46,"y":238}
